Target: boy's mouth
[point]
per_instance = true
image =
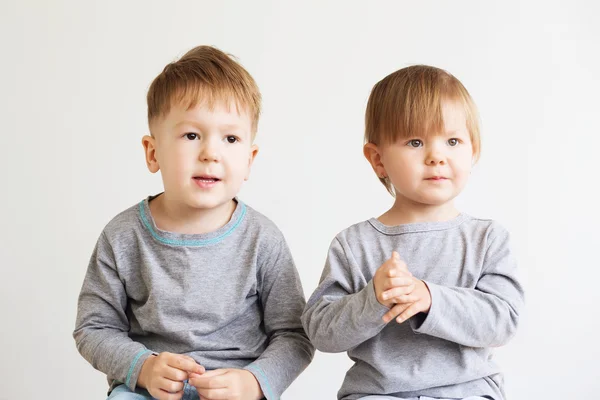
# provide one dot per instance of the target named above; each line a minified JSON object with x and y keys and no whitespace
{"x":206,"y":182}
{"x":206,"y":178}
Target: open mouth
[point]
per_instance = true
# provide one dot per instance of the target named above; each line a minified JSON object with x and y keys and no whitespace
{"x":206,"y":182}
{"x":206,"y":179}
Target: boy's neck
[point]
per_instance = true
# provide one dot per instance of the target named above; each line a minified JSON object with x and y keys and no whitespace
{"x":407,"y":212}
{"x":172,"y":216}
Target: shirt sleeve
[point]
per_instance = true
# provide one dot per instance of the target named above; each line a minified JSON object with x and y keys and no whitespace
{"x":343,"y":311}
{"x":102,"y":325}
{"x":484,"y":316}
{"x":289,"y":351}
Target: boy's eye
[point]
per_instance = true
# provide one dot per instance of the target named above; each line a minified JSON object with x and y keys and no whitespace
{"x":231,"y":139}
{"x":415,"y":143}
{"x":191,"y":136}
{"x":453,"y":142}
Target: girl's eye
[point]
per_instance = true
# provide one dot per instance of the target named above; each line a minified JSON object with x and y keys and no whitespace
{"x":231,"y":139}
{"x":191,"y":136}
{"x":453,"y":142}
{"x":415,"y":143}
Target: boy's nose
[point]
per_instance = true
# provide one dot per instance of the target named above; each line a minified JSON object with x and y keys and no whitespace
{"x":209,"y":153}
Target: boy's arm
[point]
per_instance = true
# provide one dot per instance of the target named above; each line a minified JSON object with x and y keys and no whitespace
{"x":289,"y":351}
{"x":102,"y":324}
{"x":339,"y":315}
{"x":486,"y":316}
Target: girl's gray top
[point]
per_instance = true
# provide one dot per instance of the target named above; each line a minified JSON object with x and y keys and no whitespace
{"x":476,"y":300}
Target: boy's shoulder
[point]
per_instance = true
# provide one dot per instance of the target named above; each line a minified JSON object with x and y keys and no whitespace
{"x":261,"y":225}
{"x":123,"y":225}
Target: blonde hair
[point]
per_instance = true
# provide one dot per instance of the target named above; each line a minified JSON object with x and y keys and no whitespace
{"x":205,"y":75}
{"x":408,"y":103}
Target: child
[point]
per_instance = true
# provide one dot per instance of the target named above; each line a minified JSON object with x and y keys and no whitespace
{"x":419,"y":296}
{"x":193,"y":280}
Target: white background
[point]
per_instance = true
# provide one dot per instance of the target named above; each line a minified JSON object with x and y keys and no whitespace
{"x":73,"y":79}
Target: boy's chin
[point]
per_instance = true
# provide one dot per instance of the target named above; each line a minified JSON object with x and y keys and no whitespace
{"x":209,"y":204}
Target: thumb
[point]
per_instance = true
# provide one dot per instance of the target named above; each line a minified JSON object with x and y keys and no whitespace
{"x":203,"y":379}
{"x":392,"y":264}
{"x":214,"y":372}
{"x":198,"y":369}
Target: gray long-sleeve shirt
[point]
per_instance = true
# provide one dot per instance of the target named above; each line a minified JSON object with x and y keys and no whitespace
{"x":229,"y":299}
{"x":476,"y":298}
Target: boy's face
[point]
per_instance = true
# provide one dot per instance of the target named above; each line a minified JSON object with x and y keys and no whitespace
{"x":432,"y":170}
{"x":204,"y":155}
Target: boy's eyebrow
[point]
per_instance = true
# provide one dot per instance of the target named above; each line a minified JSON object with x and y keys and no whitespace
{"x":230,"y":126}
{"x":200,"y":124}
{"x":186,"y":122}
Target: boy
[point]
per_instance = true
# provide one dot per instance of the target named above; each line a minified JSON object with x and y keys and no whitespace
{"x":448,"y":279}
{"x":193,"y":280}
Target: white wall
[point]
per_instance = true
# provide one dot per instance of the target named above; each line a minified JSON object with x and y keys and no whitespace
{"x":73,"y":78}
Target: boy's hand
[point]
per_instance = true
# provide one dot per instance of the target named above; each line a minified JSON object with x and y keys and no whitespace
{"x":419,"y":300}
{"x":226,"y":384}
{"x":393,"y":282}
{"x":163,"y":375}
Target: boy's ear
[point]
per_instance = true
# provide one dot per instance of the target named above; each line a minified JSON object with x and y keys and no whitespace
{"x":149,"y":144}
{"x":253,"y":153}
{"x":373,"y":156}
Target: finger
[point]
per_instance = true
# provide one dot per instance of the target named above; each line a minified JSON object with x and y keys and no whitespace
{"x":392,"y":272}
{"x":163,"y":395}
{"x":187,"y":357}
{"x":210,"y":380}
{"x":199,"y":368}
{"x":185,"y":363}
{"x":170,"y":386}
{"x":218,"y":382}
{"x":406,"y":299}
{"x":214,"y":394}
{"x":174,"y":374}
{"x":400,"y":281}
{"x":398,"y":268}
{"x":401,"y":265}
{"x":395,"y":311}
{"x":414,"y":308}
{"x":215,"y":372}
{"x":399,"y":292}
{"x":393,"y":260}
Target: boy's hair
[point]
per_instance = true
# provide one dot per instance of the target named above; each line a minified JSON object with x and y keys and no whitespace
{"x":408,"y":103}
{"x":205,"y":75}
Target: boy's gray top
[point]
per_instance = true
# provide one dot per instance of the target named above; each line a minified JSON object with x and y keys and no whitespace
{"x":476,"y":299}
{"x":230,"y":299}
